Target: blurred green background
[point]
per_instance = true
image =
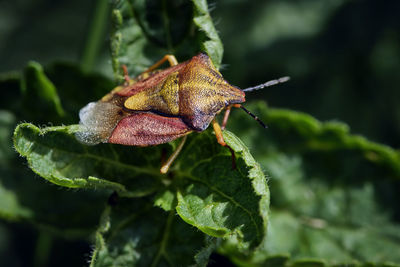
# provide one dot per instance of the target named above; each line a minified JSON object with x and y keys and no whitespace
{"x":343,"y":57}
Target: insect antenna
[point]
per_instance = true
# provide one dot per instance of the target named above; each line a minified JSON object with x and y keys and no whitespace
{"x":254,"y":117}
{"x":267,"y":84}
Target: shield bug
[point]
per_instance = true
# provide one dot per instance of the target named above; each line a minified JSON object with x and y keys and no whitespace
{"x":162,"y":105}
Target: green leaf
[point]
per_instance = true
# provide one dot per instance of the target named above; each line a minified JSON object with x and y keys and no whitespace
{"x":65,"y":213}
{"x":55,"y":154}
{"x":71,"y":217}
{"x":133,"y":233}
{"x":276,"y":261}
{"x":75,"y":88}
{"x":326,"y":143}
{"x":7,"y":122}
{"x":229,"y":203}
{"x":333,"y":192}
{"x":347,"y":220}
{"x":166,"y":199}
{"x":69,"y":214}
{"x":144,"y":31}
{"x":219,"y":200}
{"x":202,"y":257}
{"x":10,"y":209}
{"x":39,"y":91}
{"x":212,"y":45}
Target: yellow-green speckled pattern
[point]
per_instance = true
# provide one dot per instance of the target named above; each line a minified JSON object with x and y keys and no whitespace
{"x":195,"y":92}
{"x":203,"y":92}
{"x":163,"y":97}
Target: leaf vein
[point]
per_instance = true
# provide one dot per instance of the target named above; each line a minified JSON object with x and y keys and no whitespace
{"x":93,"y":156}
{"x":231,"y":199}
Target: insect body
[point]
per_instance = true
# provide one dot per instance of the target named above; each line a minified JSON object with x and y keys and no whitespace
{"x":160,"y":106}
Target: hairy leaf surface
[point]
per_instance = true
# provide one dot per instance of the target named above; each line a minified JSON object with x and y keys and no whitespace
{"x":56,"y":155}
{"x":25,"y":198}
{"x":219,"y":200}
{"x":144,"y":31}
{"x":133,"y":233}
{"x":333,"y":192}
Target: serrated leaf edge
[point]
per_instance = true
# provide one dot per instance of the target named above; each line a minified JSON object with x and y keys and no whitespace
{"x":90,"y":182}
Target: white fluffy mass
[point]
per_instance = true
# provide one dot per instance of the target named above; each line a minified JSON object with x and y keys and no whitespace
{"x":97,"y":120}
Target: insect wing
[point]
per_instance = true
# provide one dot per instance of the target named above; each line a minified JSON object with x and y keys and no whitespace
{"x":144,"y":129}
{"x":148,"y":81}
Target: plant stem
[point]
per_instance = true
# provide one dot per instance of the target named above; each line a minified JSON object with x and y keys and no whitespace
{"x":95,"y":35}
{"x":167,"y":27}
{"x":43,"y":247}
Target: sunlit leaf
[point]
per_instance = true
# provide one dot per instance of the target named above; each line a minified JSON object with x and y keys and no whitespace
{"x":56,"y":155}
{"x":330,"y":190}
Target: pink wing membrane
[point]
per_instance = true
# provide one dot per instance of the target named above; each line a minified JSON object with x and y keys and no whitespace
{"x":143,"y":129}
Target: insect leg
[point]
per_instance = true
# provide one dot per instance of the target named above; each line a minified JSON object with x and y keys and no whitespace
{"x":128,"y":80}
{"x":165,"y":167}
{"x":226,"y":115}
{"x":126,"y":75}
{"x":221,"y":141}
{"x":218,"y":132}
{"x":171,"y":59}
